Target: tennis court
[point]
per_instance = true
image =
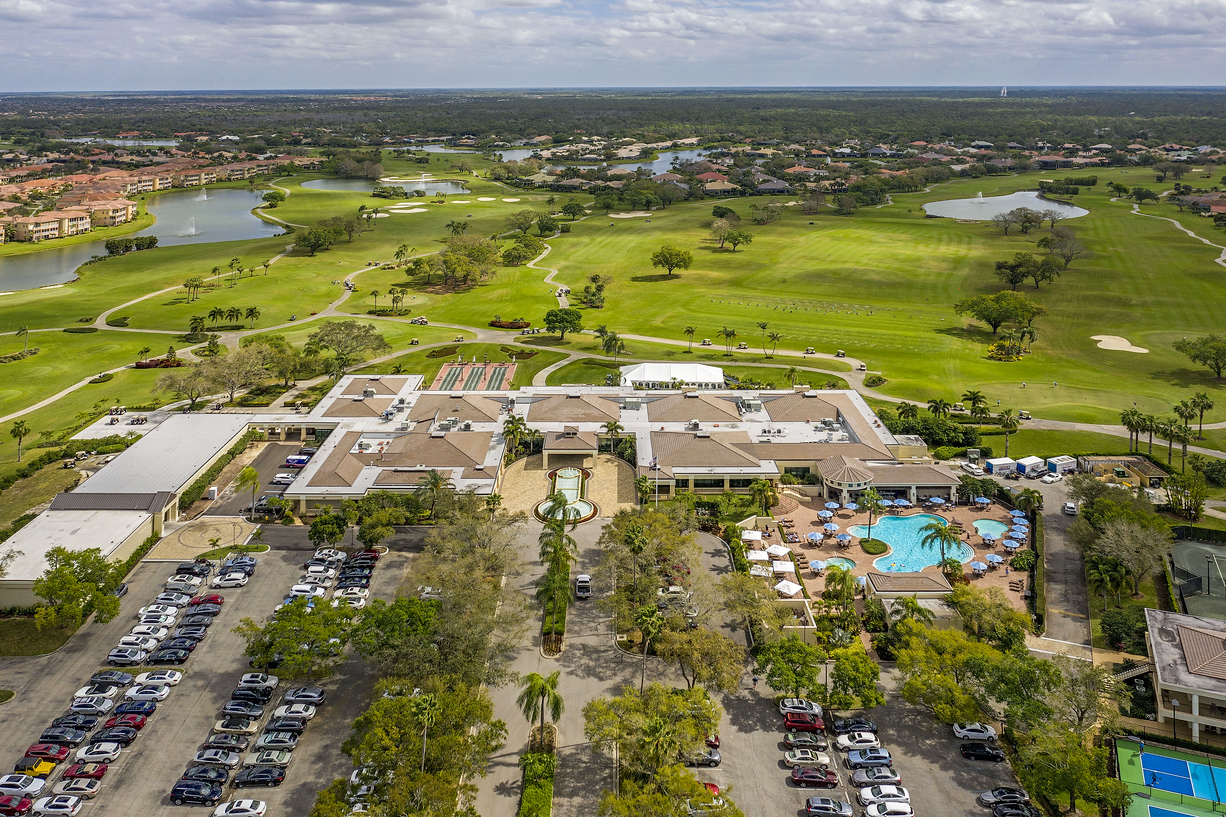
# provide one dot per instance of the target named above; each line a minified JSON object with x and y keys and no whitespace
{"x":1170,"y":783}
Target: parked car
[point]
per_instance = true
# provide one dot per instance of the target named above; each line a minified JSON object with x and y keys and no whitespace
{"x":49,"y":751}
{"x":207,"y":774}
{"x":34,"y":767}
{"x":59,"y":804}
{"x":875,"y":776}
{"x":113,"y":677}
{"x":83,"y":787}
{"x":241,"y":808}
{"x":205,"y":610}
{"x":1002,"y":794}
{"x":151,"y":631}
{"x":974,"y":731}
{"x":259,"y":680}
{"x":287,"y":724}
{"x":75,"y":722}
{"x":157,"y":620}
{"x":177,"y":643}
{"x":63,"y":735}
{"x":159,"y":610}
{"x":269,"y":757}
{"x":195,"y":632}
{"x":844,"y":725}
{"x":227,"y":741}
{"x":706,"y":757}
{"x":856,"y":740}
{"x":92,"y":705}
{"x":259,"y":776}
{"x":806,"y":740}
{"x":234,"y":579}
{"x":1050,"y":479}
{"x":806,"y":776}
{"x":148,"y":692}
{"x":126,"y":657}
{"x":216,"y":757}
{"x":277,"y":740}
{"x":195,"y":791}
{"x":883,"y":794}
{"x":21,"y":785}
{"x":1070,"y":508}
{"x":307,"y":591}
{"x":176,"y":599}
{"x":244,"y":709}
{"x":14,"y":805}
{"x":981,"y":751}
{"x":136,"y":722}
{"x":236,"y":725}
{"x":799,"y":705}
{"x":145,"y":708}
{"x":802,"y":722}
{"x":205,"y":598}
{"x":306,"y":695}
{"x":165,"y":677}
{"x":123,"y":735}
{"x":101,"y":752}
{"x":95,"y":771}
{"x":1015,"y":810}
{"x":892,"y":808}
{"x":201,"y":568}
{"x":828,"y":807}
{"x":863,"y":758}
{"x":251,"y":695}
{"x":793,"y":758}
{"x":138,"y":642}
{"x":282,"y":479}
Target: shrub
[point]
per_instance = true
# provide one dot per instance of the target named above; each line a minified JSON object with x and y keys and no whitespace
{"x":22,"y":355}
{"x":197,"y":488}
{"x":874,"y":380}
{"x":518,"y":323}
{"x":103,"y":378}
{"x":874,"y":547}
{"x":80,"y":330}
{"x":1125,"y":628}
{"x":1024,"y":560}
{"x":444,"y":351}
{"x":86,"y":319}
{"x":119,"y":322}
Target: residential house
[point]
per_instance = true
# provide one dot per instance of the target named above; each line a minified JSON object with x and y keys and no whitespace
{"x":51,"y":224}
{"x":719,"y":188}
{"x":773,"y":187}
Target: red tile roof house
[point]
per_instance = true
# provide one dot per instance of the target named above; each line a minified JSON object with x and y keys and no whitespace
{"x":711,"y":177}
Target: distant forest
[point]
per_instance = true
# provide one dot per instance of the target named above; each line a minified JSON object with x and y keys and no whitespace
{"x":1057,"y":115}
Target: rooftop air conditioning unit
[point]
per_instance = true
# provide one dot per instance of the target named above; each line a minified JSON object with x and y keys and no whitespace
{"x":693,"y":425}
{"x":404,"y":426}
{"x":574,"y":394}
{"x":691,"y":394}
{"x":376,"y":377}
{"x":456,"y":395}
{"x":467,"y":425}
{"x":358,"y":399}
{"x":703,"y":434}
{"x":368,"y":392}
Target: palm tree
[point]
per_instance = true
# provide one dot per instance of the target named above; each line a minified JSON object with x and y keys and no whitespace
{"x":1202,"y":403}
{"x":1149,"y":426}
{"x":940,"y":535}
{"x":433,"y":485}
{"x":425,"y":710}
{"x":1118,"y":577}
{"x":402,"y":252}
{"x":249,"y":477}
{"x":374,"y":293}
{"x":791,"y":374}
{"x":1028,"y":500}
{"x":397,"y":299}
{"x":1183,"y":436}
{"x":1131,"y":420}
{"x":980,"y":413}
{"x":774,"y":338}
{"x":234,"y":314}
{"x":216,"y":314}
{"x":635,"y":540}
{"x":939,"y":407}
{"x":1098,"y":578}
{"x":908,"y":411}
{"x":1008,"y":423}
{"x":144,"y":352}
{"x":19,"y":432}
{"x":908,"y":608}
{"x":253,"y":315}
{"x":538,"y":695}
{"x":728,"y":335}
{"x":1166,"y":430}
{"x":870,"y":501}
{"x":613,"y":430}
{"x":195,"y":325}
{"x":266,"y":265}
{"x":840,"y":586}
{"x":513,"y":430}
{"x":972,"y":398}
{"x":763,"y":326}
{"x":689,"y":334}
{"x":1185,"y":411}
{"x":649,"y":623}
{"x":660,"y":741}
{"x":764,"y":493}
{"x":24,"y":332}
{"x":457,"y":227}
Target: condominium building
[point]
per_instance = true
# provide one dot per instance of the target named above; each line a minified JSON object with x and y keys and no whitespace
{"x":51,"y":224}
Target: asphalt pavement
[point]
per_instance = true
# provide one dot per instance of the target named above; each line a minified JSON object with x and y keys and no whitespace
{"x":269,"y":462}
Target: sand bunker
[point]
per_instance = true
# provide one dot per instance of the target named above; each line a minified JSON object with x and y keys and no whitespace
{"x":1117,"y":344}
{"x":412,"y":210}
{"x":486,"y":198}
{"x":460,"y":201}
{"x":510,"y":199}
{"x":632,"y":214}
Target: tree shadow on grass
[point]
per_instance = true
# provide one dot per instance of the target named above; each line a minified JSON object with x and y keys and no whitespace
{"x":972,"y":334}
{"x":1186,"y":378}
{"x":650,"y":279}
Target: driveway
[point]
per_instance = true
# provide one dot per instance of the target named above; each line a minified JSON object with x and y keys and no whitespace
{"x":142,"y":778}
{"x":269,"y":462}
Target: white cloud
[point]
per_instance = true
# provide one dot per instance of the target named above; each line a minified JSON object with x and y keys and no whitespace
{"x":426,"y":43}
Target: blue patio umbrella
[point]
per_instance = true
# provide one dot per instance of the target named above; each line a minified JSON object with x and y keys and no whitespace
{"x":851,"y":506}
{"x":902,"y":503}
{"x":832,"y":506}
{"x":843,"y":537}
{"x":978,"y":566}
{"x":825,"y":514}
{"x":1016,"y":512}
{"x":830,"y":527}
{"x":1016,"y":535}
{"x":817,"y":564}
{"x":994,"y":558}
{"x":982,"y":500}
{"x":812,"y":536}
{"x":886,"y":503}
{"x":989,"y":537}
{"x":936,"y":500}
{"x":1020,"y":529}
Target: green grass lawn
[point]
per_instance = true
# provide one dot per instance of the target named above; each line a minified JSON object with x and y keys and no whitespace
{"x":418,"y":362}
{"x":1039,"y":443}
{"x":397,"y":333}
{"x":19,"y":636}
{"x":31,"y":491}
{"x":1148,"y":598}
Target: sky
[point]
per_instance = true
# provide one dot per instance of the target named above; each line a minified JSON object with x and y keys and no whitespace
{"x":126,"y":45}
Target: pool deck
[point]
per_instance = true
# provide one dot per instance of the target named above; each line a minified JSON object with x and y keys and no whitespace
{"x":805,"y":520}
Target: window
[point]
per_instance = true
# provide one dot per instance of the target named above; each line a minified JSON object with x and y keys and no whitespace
{"x":709,"y":483}
{"x":798,"y":471}
{"x":739,"y":482}
{"x":682,"y":483}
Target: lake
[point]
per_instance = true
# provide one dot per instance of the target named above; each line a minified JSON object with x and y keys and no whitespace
{"x":430,"y":186}
{"x":195,"y":216}
{"x":984,"y":209}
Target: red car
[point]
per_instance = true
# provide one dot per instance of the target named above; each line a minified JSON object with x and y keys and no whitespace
{"x":713,"y":741}
{"x":367,"y":554}
{"x":803,"y":722}
{"x":806,"y":776}
{"x":48,"y":751}
{"x":93,"y":771}
{"x":132,"y":721}
{"x":209,"y":598}
{"x":12,"y":805}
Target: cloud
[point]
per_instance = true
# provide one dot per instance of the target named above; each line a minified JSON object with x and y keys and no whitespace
{"x":165,"y":44}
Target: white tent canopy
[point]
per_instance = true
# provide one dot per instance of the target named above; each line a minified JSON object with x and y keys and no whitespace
{"x":784,"y":567}
{"x":779,"y":550}
{"x":751,"y":536}
{"x":671,"y":375}
{"x":758,"y":556}
{"x":788,"y":588}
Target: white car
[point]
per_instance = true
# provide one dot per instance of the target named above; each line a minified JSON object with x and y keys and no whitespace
{"x":157,"y":621}
{"x":795,"y":758}
{"x":352,"y":593}
{"x":58,"y":804}
{"x":890,"y":808}
{"x":1070,"y":508}
{"x":92,"y":705}
{"x":974,"y":731}
{"x":83,"y":787}
{"x":230,"y":580}
{"x":186,"y":579}
{"x":309,"y":590}
{"x":139,"y":642}
{"x":354,"y":604}
{"x":294,"y":711}
{"x":883,"y":794}
{"x":159,"y":610}
{"x":329,"y":554}
{"x":22,"y":785}
{"x":101,"y":690}
{"x":282,"y":479}
{"x":857,"y":740}
{"x":258,"y":680}
{"x":799,"y":705}
{"x":173,"y":599}
{"x":151,"y":631}
{"x":152,"y":692}
{"x":1051,"y":479}
{"x":104,"y":752}
{"x":165,"y":677}
{"x":269,"y":757}
{"x":241,"y":808}
{"x":319,"y":572}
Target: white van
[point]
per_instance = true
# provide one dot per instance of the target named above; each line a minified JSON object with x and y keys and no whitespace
{"x":972,"y":469}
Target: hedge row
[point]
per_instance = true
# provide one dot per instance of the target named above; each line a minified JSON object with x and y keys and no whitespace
{"x":1038,"y":579}
{"x":16,"y":356}
{"x":1165,"y":585}
{"x":197,"y":488}
{"x":537,"y":797}
{"x":81,"y":330}
{"x":105,"y":445}
{"x":120,"y":321}
{"x":140,"y":553}
{"x":1198,"y":534}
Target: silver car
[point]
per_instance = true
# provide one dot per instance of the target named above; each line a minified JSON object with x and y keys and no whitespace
{"x":876,"y":776}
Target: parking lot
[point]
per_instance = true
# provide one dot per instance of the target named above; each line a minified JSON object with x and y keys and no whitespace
{"x":269,"y":462}
{"x":140,"y":780}
{"x":925,"y":753}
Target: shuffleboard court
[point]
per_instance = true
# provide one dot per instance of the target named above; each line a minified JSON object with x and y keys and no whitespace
{"x":474,"y":377}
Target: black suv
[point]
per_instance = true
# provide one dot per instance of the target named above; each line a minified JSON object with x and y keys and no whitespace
{"x":195,"y":791}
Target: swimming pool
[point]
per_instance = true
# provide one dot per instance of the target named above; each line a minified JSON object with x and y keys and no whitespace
{"x":907,"y":553}
{"x":840,"y":561}
{"x":991,"y":527}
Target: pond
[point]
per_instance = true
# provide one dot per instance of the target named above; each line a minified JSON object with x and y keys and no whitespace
{"x":430,"y":186}
{"x":984,"y":209}
{"x":183,"y":217}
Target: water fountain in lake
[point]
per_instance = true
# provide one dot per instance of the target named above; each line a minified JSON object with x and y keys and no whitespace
{"x":204,"y":195}
{"x":979,"y":195}
{"x":191,"y":227}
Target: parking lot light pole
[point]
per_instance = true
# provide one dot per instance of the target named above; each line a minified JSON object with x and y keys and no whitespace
{"x":1208,"y":564}
{"x":1174,"y":723}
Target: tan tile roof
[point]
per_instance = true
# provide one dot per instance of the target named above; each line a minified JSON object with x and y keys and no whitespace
{"x":469,"y":407}
{"x":1203,"y":650}
{"x":812,"y":452}
{"x":912,"y":475}
{"x":327,"y":473}
{"x":844,"y":469}
{"x":455,"y":449}
{"x":685,"y":449}
{"x":680,"y":408}
{"x":347,"y":407}
{"x":797,"y":408}
{"x":384,"y":386}
{"x":909,"y":582}
{"x":561,"y":408}
{"x":559,"y":441}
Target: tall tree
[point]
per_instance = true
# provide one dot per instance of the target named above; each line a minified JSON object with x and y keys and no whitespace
{"x":671,"y":258}
{"x":19,"y":431}
{"x":539,"y":697}
{"x":689,"y":331}
{"x":249,"y":478}
{"x":790,"y":665}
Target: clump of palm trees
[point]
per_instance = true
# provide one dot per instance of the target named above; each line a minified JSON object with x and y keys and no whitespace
{"x":1177,"y":429}
{"x":558,"y":551}
{"x":232,"y":314}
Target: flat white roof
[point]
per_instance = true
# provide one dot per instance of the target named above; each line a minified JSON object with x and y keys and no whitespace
{"x":74,"y":530}
{"x":667,"y":372}
{"x":166,"y":458}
